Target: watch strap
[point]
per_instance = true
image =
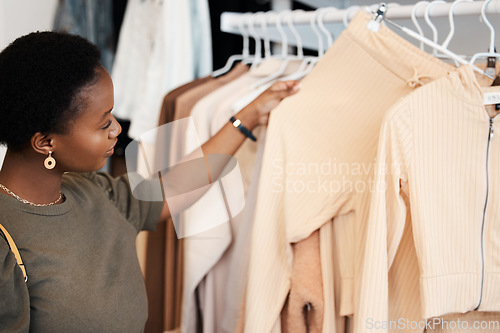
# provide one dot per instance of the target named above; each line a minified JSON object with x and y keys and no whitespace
{"x":246,"y":132}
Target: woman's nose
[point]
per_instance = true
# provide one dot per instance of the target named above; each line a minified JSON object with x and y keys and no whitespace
{"x":116,"y":129}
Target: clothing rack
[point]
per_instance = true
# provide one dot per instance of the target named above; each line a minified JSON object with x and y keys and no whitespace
{"x":334,"y":18}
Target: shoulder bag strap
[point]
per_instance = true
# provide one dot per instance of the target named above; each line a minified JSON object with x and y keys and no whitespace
{"x":14,"y":249}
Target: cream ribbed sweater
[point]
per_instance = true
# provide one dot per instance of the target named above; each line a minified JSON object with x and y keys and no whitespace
{"x":439,"y":148}
{"x":318,"y":165}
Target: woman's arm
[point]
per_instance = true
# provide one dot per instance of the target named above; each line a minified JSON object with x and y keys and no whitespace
{"x":229,"y":139}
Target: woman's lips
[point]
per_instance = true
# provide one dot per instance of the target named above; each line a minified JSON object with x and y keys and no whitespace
{"x":111,"y":150}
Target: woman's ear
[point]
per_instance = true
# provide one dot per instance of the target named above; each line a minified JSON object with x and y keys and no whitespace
{"x":42,"y":143}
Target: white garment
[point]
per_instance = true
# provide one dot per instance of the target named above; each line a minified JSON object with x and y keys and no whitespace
{"x":173,"y":61}
{"x":163,"y":45}
{"x":133,"y":55}
{"x":201,"y":37}
{"x":3,"y":150}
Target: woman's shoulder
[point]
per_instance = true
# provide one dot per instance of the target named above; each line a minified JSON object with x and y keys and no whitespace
{"x":80,"y":177}
{"x":96,"y":183}
{"x":7,"y":258}
{"x":14,"y":303}
{"x":85,"y":185}
{"x":89,"y":181}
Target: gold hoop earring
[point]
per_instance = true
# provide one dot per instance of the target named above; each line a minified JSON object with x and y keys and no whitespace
{"x":49,"y":162}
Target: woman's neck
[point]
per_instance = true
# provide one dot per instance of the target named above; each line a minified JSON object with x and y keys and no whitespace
{"x":24,"y":174}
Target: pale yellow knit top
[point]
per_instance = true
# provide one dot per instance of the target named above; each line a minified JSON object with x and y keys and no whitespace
{"x":440,"y":148}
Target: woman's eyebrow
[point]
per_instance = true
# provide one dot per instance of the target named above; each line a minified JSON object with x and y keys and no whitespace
{"x":106,"y":113}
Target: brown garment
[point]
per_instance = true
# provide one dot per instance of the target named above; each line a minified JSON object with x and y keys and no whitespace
{"x":163,"y":271}
{"x":185,"y":103}
{"x":306,"y":290}
{"x":167,"y":115}
{"x":169,"y":102}
{"x":164,"y":251}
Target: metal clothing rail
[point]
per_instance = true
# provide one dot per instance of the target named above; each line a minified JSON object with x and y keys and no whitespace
{"x":231,"y":22}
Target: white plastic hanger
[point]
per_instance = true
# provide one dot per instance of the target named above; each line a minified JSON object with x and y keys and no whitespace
{"x":310,"y":61}
{"x":315,"y":27}
{"x":284,"y":37}
{"x":247,"y":19}
{"x":430,"y":24}
{"x":427,"y":18}
{"x":258,"y":46}
{"x":287,"y":15}
{"x":451,"y":20}
{"x":491,"y":51}
{"x":314,"y":60}
{"x":436,"y":46}
{"x":305,"y":66}
{"x":267,"y":41}
{"x":415,"y":21}
{"x":245,"y":54}
{"x":321,"y":24}
{"x":298,"y":39}
{"x":348,"y":12}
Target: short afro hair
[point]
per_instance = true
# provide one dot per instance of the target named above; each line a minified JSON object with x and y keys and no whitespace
{"x":41,"y":75}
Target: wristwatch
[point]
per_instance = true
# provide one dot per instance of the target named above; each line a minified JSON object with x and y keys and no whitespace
{"x":246,"y":132}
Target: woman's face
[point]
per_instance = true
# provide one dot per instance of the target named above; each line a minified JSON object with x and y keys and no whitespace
{"x":93,"y":134}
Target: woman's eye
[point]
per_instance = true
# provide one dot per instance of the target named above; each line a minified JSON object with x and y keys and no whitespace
{"x":107,"y":125}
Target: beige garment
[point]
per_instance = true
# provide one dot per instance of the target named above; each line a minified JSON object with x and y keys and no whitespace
{"x":437,"y":147}
{"x":208,"y":260}
{"x":185,"y":103}
{"x":233,"y":266}
{"x":320,"y":147}
{"x":163,"y":260}
{"x":306,"y":290}
{"x":246,"y":91}
{"x":233,"y":318}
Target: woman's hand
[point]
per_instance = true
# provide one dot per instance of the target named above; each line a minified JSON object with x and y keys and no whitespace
{"x":227,"y":141}
{"x":257,"y":112}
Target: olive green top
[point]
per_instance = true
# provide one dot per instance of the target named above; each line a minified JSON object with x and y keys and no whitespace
{"x":81,"y":260}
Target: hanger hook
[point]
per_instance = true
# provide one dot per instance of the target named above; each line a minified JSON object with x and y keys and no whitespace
{"x":246,"y":40}
{"x":250,"y":18}
{"x":284,"y":38}
{"x":452,"y":22}
{"x":314,"y":26}
{"x":300,"y":50}
{"x":321,"y":16}
{"x":430,"y":24}
{"x":487,"y":22}
{"x":415,"y":21}
{"x":347,"y":13}
{"x":267,"y":41}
